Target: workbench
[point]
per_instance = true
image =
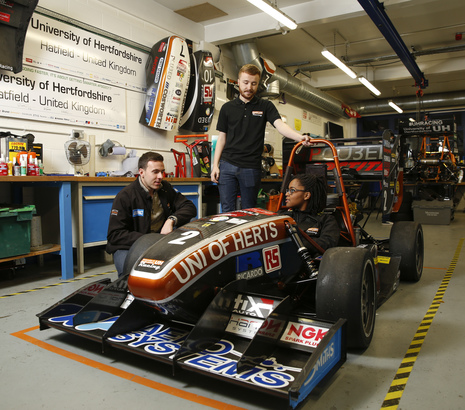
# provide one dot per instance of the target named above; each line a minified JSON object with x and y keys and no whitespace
{"x":85,"y":205}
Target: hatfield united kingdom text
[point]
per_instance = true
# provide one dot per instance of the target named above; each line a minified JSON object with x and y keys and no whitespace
{"x":69,"y":52}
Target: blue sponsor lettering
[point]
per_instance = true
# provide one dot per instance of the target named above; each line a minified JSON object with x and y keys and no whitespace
{"x":269,"y":374}
{"x":156,"y":339}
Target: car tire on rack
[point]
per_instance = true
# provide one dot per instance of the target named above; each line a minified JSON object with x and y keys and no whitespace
{"x":406,"y":240}
{"x":346,"y":288}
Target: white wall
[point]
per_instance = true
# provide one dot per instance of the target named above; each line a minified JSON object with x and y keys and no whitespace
{"x":145,"y":22}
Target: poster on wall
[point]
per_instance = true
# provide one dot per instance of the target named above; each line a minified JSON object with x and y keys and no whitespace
{"x":59,"y":47}
{"x":429,"y":126}
{"x":72,"y":76}
{"x":43,"y":95}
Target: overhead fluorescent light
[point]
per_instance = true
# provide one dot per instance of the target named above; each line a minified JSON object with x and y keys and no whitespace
{"x":338,"y":63}
{"x":275,"y":13}
{"x":396,"y":107}
{"x":369,"y":85}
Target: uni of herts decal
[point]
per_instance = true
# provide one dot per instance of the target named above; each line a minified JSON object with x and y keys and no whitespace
{"x":164,"y":282}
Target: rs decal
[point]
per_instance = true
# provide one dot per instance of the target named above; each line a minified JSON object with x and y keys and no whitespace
{"x":272,"y":258}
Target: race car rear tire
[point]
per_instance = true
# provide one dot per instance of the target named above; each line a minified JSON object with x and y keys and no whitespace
{"x":406,"y":240}
{"x":346,"y":288}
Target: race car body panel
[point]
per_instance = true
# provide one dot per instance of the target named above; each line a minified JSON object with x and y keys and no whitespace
{"x":200,"y":99}
{"x":179,"y":273}
{"x":167,"y":77}
{"x":298,"y":351}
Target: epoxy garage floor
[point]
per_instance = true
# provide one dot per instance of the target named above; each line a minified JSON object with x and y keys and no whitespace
{"x":415,"y":360}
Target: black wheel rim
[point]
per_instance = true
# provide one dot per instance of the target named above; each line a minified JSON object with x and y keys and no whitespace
{"x":368,"y":300}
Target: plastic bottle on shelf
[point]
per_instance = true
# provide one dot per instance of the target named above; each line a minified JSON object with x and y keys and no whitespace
{"x":23,"y":165}
{"x":3,"y":167}
{"x":41,"y":168}
{"x":10,"y":168}
{"x":31,"y":169}
{"x":17,"y":169}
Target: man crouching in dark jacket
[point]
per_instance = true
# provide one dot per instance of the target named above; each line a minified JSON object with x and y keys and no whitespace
{"x":147,"y":205}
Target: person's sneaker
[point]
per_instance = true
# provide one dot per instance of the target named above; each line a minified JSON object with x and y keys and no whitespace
{"x":387,"y":223}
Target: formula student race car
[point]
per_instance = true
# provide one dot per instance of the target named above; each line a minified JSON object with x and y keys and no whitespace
{"x":238,"y":297}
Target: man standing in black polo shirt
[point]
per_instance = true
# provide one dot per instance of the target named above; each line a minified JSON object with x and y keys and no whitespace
{"x":241,"y":125}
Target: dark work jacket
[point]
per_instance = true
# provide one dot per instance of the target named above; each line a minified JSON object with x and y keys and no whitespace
{"x":130,"y":216}
{"x":323,"y":228}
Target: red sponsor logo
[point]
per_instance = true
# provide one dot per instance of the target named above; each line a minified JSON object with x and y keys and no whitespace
{"x":304,"y":334}
{"x":272,"y":258}
{"x":5,"y":17}
{"x":93,"y":289}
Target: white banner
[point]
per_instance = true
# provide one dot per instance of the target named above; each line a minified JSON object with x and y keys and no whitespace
{"x":72,"y":76}
{"x":43,"y":95}
{"x":60,"y":47}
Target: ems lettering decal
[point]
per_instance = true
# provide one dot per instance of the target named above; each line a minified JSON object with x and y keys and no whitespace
{"x":222,"y":360}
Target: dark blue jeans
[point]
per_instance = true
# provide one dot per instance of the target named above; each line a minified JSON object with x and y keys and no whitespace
{"x":118,"y":258}
{"x":236,"y":181}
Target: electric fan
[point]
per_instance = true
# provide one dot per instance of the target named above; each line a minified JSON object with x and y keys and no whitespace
{"x":78,"y":154}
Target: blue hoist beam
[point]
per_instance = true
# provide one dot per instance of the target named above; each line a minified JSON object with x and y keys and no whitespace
{"x":375,"y":10}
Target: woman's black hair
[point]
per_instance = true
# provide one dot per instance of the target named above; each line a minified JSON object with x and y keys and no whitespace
{"x":317,"y":187}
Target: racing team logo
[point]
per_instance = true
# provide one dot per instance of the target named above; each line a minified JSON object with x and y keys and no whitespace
{"x":272,"y":258}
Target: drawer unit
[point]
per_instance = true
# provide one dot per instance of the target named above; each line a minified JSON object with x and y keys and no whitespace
{"x":92,"y":207}
{"x":96,"y":208}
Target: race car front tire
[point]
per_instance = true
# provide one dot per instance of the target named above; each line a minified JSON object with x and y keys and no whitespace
{"x":346,"y":288}
{"x":406,"y":240}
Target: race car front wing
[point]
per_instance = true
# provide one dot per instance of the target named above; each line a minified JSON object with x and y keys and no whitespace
{"x":243,"y":337}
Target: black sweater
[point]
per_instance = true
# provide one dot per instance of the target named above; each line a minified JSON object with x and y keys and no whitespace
{"x":130,"y":216}
{"x":323,"y":228}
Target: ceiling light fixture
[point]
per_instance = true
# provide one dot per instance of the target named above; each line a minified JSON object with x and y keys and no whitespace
{"x":369,"y":85}
{"x":274,"y":12}
{"x":338,"y":63}
{"x":396,"y":107}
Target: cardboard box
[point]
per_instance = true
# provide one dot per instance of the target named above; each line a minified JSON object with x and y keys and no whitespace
{"x":433,"y":212}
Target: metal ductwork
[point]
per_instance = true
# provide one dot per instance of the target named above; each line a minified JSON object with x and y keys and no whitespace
{"x":428,"y":102}
{"x":247,"y":53}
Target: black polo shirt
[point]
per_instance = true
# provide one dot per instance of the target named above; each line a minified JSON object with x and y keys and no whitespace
{"x":244,"y":125}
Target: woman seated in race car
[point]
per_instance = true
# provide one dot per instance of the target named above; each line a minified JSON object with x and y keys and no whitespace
{"x":306,"y":199}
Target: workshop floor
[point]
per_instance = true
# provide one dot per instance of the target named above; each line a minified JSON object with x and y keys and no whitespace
{"x":49,"y":369}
